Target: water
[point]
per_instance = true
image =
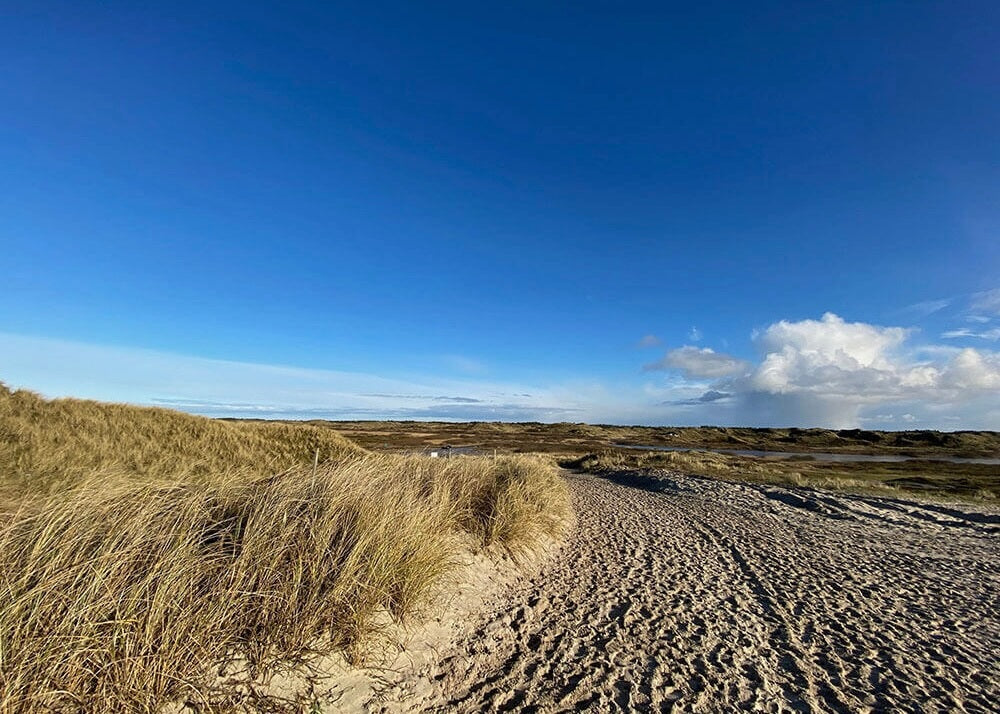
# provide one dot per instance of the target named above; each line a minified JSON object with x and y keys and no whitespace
{"x":818,"y":456}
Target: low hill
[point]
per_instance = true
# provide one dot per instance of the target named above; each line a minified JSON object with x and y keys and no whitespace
{"x":47,"y":443}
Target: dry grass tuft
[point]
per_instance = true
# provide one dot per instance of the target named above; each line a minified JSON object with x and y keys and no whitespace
{"x":122,"y":591}
{"x":698,"y":462}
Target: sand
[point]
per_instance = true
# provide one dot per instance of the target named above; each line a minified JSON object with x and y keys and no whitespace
{"x":688,"y":594}
{"x":680,"y":593}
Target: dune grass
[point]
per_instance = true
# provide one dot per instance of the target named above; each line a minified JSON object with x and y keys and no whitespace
{"x":48,"y":444}
{"x":128,"y":588}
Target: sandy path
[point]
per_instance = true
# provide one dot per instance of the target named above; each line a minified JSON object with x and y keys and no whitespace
{"x":688,"y":594}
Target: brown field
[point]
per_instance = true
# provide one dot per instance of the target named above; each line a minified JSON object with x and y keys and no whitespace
{"x":534,"y":437}
{"x":593,"y":447}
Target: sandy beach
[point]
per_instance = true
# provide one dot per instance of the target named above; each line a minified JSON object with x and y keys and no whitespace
{"x":689,"y":594}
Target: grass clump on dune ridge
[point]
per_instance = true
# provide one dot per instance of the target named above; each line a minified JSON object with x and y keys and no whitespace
{"x":121,"y":592}
{"x":47,"y":444}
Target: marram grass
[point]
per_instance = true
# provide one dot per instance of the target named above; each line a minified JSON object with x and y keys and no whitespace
{"x":47,"y":444}
{"x":123,"y":591}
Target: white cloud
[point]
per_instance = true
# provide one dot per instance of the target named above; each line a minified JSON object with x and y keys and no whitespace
{"x":226,"y":388}
{"x":828,"y":356}
{"x":834,"y":373}
{"x":694,"y":334}
{"x":982,"y":309}
{"x":927,"y":307}
{"x":987,"y":301}
{"x":992,"y":334}
{"x":827,"y":371}
{"x":694,"y":362}
{"x":971,"y":371}
{"x":649,"y":341}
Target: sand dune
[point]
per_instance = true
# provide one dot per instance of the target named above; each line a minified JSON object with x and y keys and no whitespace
{"x":688,"y":594}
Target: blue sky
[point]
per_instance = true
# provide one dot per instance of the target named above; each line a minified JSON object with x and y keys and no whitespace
{"x":746,"y":213}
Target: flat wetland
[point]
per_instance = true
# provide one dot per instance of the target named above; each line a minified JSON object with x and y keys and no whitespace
{"x":561,"y":437}
{"x":601,"y":447}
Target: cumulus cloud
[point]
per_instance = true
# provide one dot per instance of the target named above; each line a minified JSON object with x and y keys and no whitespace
{"x":849,"y":367}
{"x":842,"y":367}
{"x":699,"y":363}
{"x":824,"y":372}
{"x":834,"y":373}
{"x":827,"y":356}
{"x":969,"y":372}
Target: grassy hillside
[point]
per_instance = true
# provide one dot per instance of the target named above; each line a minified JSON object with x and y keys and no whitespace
{"x":46,"y":444}
{"x":141,"y":550}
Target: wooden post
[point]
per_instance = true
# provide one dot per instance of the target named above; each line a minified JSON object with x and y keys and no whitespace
{"x":315,"y":464}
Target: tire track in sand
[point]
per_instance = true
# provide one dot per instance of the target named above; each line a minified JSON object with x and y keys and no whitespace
{"x":688,"y":594}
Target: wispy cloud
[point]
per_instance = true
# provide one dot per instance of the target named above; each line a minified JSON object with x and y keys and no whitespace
{"x":982,"y":308}
{"x":649,"y":341}
{"x":464,"y":365}
{"x":226,"y":388}
{"x":927,"y":307}
{"x":987,"y":301}
{"x":991,"y":334}
{"x":425,"y":397}
{"x":477,"y":411}
{"x":979,"y":308}
{"x":694,"y":334}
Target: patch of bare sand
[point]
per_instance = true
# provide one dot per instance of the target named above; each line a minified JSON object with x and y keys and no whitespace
{"x":689,"y":594}
{"x":404,"y":658}
{"x":404,"y":672}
